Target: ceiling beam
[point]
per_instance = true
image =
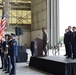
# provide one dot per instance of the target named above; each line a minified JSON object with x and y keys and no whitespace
{"x":26,"y":26}
{"x":16,"y":8}
{"x":19,"y":6}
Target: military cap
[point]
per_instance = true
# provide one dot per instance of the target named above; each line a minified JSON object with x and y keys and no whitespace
{"x":12,"y":34}
{"x":7,"y":35}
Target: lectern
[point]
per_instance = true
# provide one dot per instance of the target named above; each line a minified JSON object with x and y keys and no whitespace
{"x":38,"y":47}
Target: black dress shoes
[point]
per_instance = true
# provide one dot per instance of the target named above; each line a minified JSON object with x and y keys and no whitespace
{"x":6,"y":72}
{"x":65,"y":55}
{"x":1,"y":68}
{"x":68,"y":57}
{"x":12,"y":74}
{"x":73,"y":57}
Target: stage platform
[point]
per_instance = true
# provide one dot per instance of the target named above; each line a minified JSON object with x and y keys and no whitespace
{"x":57,"y":65}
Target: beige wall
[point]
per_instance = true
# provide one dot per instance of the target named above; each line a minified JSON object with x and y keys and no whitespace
{"x":38,"y":8}
{"x":24,"y":39}
{"x":36,"y":34}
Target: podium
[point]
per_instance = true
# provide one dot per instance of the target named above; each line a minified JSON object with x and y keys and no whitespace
{"x":38,"y":47}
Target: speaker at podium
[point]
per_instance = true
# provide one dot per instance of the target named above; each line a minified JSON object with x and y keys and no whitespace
{"x":38,"y":47}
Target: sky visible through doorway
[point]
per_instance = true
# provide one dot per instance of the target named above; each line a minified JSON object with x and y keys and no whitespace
{"x":67,"y":14}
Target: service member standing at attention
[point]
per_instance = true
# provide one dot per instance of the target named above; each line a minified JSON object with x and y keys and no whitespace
{"x":13,"y":52}
{"x":44,"y":40}
{"x":74,"y":42}
{"x":69,"y":42}
{"x":5,"y":49}
{"x":8,"y":57}
{"x":65,"y":42}
{"x":32,"y":47}
{"x":1,"y":54}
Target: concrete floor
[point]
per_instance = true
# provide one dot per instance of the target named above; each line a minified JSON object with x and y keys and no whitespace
{"x":23,"y":68}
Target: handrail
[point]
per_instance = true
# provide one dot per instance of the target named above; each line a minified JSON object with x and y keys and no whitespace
{"x":55,"y":49}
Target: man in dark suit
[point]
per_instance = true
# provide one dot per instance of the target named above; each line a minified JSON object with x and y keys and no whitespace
{"x":32,"y":48}
{"x":65,"y":42}
{"x":69,"y":42}
{"x":74,"y":42}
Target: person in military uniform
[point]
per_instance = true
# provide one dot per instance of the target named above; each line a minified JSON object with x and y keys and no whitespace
{"x":13,"y":53}
{"x":1,"y":54}
{"x":65,"y":42}
{"x":5,"y":51}
{"x":74,"y":42}
{"x":32,"y":48}
{"x":69,"y":42}
{"x":44,"y":40}
{"x":7,"y":56}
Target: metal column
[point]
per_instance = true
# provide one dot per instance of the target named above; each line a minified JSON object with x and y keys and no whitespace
{"x":49,"y":19}
{"x":53,"y":21}
{"x":7,"y":10}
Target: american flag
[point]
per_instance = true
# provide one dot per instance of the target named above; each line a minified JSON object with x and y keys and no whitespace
{"x":3,"y":23}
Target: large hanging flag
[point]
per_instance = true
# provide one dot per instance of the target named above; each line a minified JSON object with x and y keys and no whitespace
{"x":2,"y":24}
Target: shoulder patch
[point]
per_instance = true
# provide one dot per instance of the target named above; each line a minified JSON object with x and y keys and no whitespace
{"x":14,"y":43}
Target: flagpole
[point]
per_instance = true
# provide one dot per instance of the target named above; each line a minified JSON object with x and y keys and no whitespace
{"x":3,"y":21}
{"x":5,"y":13}
{"x":6,"y":7}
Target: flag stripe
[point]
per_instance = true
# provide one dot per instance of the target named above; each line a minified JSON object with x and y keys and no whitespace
{"x":3,"y":23}
{"x":3,"y":19}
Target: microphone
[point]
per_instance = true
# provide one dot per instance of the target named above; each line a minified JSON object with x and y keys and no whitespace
{"x":38,"y":35}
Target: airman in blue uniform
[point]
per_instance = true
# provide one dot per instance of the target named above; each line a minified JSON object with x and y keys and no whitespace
{"x":13,"y":53}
